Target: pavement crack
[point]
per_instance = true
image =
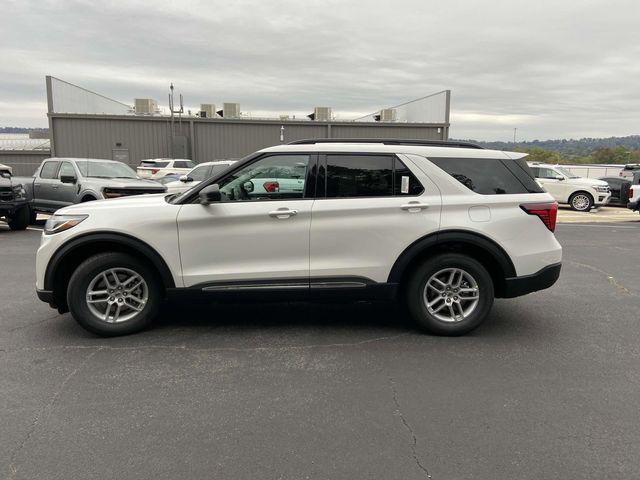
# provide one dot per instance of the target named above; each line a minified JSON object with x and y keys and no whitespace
{"x":407,"y":426}
{"x":612,"y":280}
{"x":44,"y":413}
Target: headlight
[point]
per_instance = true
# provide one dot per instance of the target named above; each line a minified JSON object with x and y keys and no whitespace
{"x":600,"y":188}
{"x":19,"y":193}
{"x":60,"y":223}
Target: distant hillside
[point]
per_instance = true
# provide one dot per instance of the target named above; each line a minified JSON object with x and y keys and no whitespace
{"x":585,"y":150}
{"x":582,"y":147}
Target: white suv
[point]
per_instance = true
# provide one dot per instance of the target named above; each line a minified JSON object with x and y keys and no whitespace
{"x":442,"y":227}
{"x":155,"y":168}
{"x":196,"y":175}
{"x":580,"y":193}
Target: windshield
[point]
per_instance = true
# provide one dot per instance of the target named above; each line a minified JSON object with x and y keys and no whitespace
{"x":153,"y":163}
{"x":566,"y":172}
{"x":105,"y":170}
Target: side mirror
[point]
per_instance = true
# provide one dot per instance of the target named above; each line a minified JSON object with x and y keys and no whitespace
{"x":185,"y":178}
{"x":248,"y":186}
{"x":68,"y":179}
{"x":562,"y":179}
{"x":210,"y":194}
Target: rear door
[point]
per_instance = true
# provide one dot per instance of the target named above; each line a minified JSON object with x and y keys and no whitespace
{"x":550,"y":181}
{"x":368,"y":209}
{"x":43,"y":186}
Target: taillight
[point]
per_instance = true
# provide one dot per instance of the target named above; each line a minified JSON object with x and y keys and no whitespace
{"x":271,"y":187}
{"x":630,"y":192}
{"x":547,"y":212}
{"x":154,"y":171}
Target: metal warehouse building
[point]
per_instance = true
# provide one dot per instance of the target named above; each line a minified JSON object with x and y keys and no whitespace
{"x":86,"y":124}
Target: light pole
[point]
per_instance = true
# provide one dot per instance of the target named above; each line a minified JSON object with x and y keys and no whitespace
{"x":514,"y":134}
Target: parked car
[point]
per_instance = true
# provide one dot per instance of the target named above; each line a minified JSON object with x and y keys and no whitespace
{"x":170,"y":178}
{"x":619,"y":187}
{"x":60,"y":182}
{"x":160,"y":167}
{"x":198,"y":174}
{"x":443,"y":227}
{"x":629,"y":170}
{"x":581,"y":194}
{"x":634,"y":198}
{"x":14,"y":204}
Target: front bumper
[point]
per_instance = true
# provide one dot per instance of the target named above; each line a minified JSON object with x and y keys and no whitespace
{"x":544,"y":278}
{"x":9,"y":208}
{"x":602,"y":198}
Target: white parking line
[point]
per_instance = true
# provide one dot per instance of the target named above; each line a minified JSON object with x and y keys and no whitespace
{"x":610,"y":225}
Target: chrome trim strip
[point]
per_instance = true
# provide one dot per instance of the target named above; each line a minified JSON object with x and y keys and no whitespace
{"x":255,"y":286}
{"x":338,"y":284}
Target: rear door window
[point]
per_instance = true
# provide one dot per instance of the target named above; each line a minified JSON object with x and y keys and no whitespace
{"x":153,"y":163}
{"x":486,"y":176}
{"x":49,"y":169}
{"x":359,"y":176}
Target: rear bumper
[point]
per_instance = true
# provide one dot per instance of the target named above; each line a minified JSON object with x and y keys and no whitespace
{"x":544,"y":278}
{"x":634,"y":205}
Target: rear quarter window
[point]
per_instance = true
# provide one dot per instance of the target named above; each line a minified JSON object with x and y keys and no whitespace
{"x":490,"y":176}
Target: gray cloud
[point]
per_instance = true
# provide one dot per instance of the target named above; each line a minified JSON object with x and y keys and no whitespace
{"x":552,"y":69}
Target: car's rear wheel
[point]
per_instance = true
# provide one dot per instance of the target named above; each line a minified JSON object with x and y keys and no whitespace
{"x":450,"y":294}
{"x":113,"y":294}
{"x":20,"y":219}
{"x":581,"y":201}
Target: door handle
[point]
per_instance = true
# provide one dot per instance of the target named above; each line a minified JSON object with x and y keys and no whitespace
{"x":55,"y":187}
{"x":282,"y":213}
{"x":414,"y":206}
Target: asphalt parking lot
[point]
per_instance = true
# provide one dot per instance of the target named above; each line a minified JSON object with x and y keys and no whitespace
{"x":547,"y":388}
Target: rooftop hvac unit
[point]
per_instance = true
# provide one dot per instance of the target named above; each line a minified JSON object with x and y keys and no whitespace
{"x":321,"y":114}
{"x":386,"y":115}
{"x":230,"y":110}
{"x":145,"y":106}
{"x":207,"y":110}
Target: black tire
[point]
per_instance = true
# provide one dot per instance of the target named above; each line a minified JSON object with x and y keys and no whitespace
{"x":415,"y":288}
{"x":576,"y":196}
{"x":88,"y":198}
{"x":93,"y":266}
{"x":33,"y":216}
{"x":20,"y":219}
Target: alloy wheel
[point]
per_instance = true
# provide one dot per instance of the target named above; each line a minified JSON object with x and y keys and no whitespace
{"x":451,"y":294}
{"x":117,"y":295}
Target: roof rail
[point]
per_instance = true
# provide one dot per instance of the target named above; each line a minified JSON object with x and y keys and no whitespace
{"x":388,"y":141}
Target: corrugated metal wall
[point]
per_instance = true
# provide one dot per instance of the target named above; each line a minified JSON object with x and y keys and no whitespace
{"x":23,"y":162}
{"x":101,"y":136}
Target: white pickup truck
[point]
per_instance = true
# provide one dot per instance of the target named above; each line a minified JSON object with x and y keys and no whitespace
{"x":634,"y":198}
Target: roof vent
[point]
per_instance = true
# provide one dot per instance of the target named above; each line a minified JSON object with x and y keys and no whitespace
{"x":207,"y":110}
{"x":230,"y":110}
{"x":145,"y":106}
{"x":386,"y":115}
{"x":321,"y":114}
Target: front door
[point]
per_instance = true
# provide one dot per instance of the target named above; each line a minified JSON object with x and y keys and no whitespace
{"x":66,"y":193}
{"x":551,"y":181}
{"x":374,"y":207}
{"x":258,"y":235}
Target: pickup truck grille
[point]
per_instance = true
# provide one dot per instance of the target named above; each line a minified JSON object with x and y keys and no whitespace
{"x":125,"y":192}
{"x":6,"y":194}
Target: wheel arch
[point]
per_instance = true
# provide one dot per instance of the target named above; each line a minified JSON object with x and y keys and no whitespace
{"x":488,"y":252}
{"x":67,"y":258}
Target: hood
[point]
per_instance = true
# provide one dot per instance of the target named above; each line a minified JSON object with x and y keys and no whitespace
{"x":124,"y":182}
{"x":155,"y":200}
{"x":587,"y":182}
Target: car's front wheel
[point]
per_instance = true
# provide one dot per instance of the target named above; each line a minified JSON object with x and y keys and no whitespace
{"x":113,"y":294}
{"x":450,"y":294}
{"x":581,"y":201}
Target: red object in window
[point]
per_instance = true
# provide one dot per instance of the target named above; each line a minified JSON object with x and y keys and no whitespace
{"x":547,"y":212}
{"x":154,"y":171}
{"x":271,"y":187}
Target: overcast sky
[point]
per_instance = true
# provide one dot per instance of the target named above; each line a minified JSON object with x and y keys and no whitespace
{"x":553,"y":69}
